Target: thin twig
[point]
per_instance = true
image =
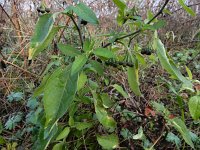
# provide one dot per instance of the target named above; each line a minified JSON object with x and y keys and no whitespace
{"x":78,"y":29}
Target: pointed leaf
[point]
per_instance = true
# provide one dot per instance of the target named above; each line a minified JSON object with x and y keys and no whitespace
{"x":194,"y":107}
{"x":59,"y":93}
{"x":108,"y":141}
{"x":186,"y":8}
{"x":68,"y":50}
{"x":104,"y":52}
{"x":120,"y":90}
{"x":81,"y":81}
{"x":168,"y":64}
{"x":85,"y":13}
{"x":43,"y":35}
{"x":78,"y":63}
{"x":63,"y":134}
{"x":120,"y":4}
{"x":133,"y":80}
{"x":181,"y":127}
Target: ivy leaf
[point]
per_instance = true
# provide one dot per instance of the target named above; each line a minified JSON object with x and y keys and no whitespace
{"x":15,"y":96}
{"x":43,"y":34}
{"x":108,"y":141}
{"x":186,"y":8}
{"x":85,"y":13}
{"x":12,"y":121}
{"x":194,"y":107}
{"x":59,"y":93}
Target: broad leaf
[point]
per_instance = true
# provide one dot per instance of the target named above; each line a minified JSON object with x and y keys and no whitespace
{"x":103,"y":52}
{"x":194,"y":107}
{"x":64,"y":133}
{"x":120,"y":4}
{"x":106,"y":101}
{"x":83,"y":125}
{"x":181,"y":127}
{"x":68,"y":50}
{"x":133,"y":80}
{"x":97,"y":66}
{"x":186,"y":8}
{"x":168,"y":64}
{"x":120,"y":90}
{"x":85,"y":13}
{"x":58,"y":146}
{"x":59,"y":93}
{"x":108,"y":141}
{"x":78,"y":63}
{"x":43,"y":34}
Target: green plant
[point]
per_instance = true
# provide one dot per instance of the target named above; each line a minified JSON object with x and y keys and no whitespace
{"x":74,"y":96}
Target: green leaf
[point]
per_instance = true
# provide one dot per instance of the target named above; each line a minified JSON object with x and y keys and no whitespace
{"x":103,"y":117}
{"x":85,"y":13}
{"x":97,"y":66}
{"x":103,"y":52}
{"x":133,"y":80}
{"x":68,"y":50}
{"x":107,"y":102}
{"x":43,"y":34}
{"x":12,"y":121}
{"x":181,"y":127}
{"x":174,"y":139}
{"x":120,"y":90}
{"x":194,"y":107}
{"x":88,"y":45}
{"x":186,"y":8}
{"x":15,"y":96}
{"x":140,"y":58}
{"x":189,"y":72}
{"x":59,"y":93}
{"x":58,"y":146}
{"x":64,"y":133}
{"x":168,"y":64}
{"x":140,"y":135}
{"x":78,"y":63}
{"x":81,"y":81}
{"x":108,"y":141}
{"x":120,"y":4}
{"x":83,"y":125}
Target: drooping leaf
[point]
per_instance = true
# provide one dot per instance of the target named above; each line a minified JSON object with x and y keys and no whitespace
{"x":85,"y":13}
{"x":59,"y":93}
{"x":186,"y":8}
{"x":63,"y":134}
{"x":120,"y":90}
{"x":194,"y":107}
{"x":108,"y":141}
{"x":78,"y":63}
{"x":181,"y":127}
{"x":168,"y":64}
{"x":104,"y":52}
{"x":120,"y":4}
{"x":133,"y":80}
{"x":43,"y":34}
{"x":68,"y":50}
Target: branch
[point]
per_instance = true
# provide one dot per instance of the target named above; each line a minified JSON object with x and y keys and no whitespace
{"x":138,"y":31}
{"x":78,"y":29}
